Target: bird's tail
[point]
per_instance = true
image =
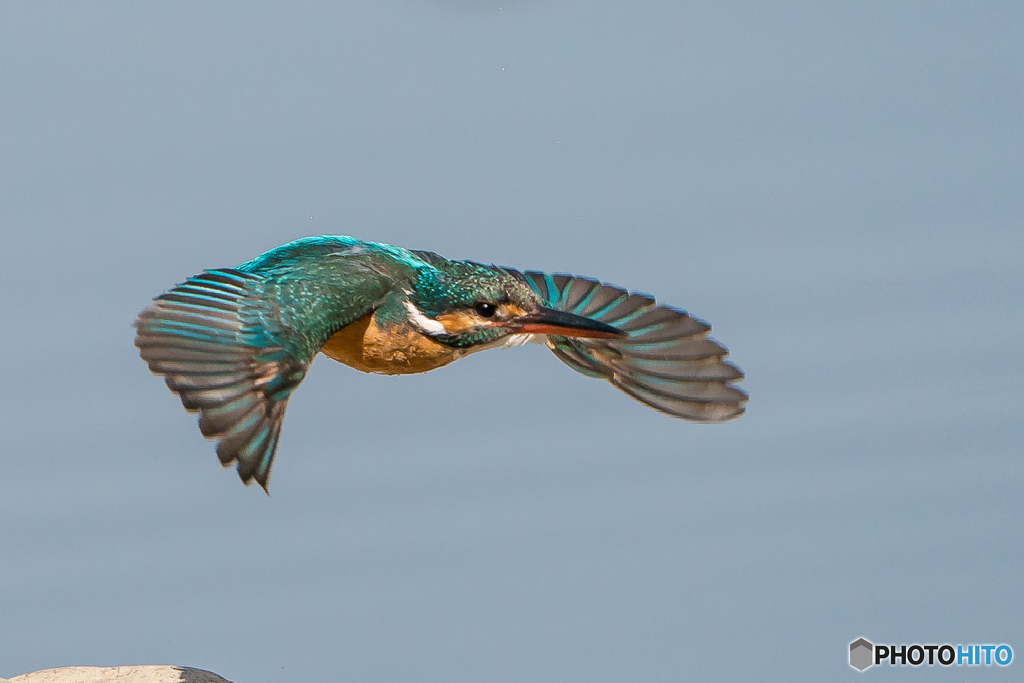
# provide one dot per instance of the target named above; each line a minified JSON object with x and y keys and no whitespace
{"x":209,"y":337}
{"x":667,"y":362}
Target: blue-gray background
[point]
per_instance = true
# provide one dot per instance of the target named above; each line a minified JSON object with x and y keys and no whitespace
{"x":838,"y":188}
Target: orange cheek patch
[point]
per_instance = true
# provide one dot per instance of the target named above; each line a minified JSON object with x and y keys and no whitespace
{"x":510,"y":311}
{"x":466,"y":321}
{"x":455,"y":323}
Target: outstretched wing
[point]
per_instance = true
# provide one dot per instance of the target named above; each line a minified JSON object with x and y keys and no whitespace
{"x":235,"y":342}
{"x":211,"y":340}
{"x":667,"y":362}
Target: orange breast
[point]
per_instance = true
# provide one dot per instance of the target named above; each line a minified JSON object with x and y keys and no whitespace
{"x":391,"y":350}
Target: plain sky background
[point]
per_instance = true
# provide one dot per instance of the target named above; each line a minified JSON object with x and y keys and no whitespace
{"x":837,"y":187}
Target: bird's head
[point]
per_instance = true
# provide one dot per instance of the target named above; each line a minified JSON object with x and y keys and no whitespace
{"x":464,"y":304}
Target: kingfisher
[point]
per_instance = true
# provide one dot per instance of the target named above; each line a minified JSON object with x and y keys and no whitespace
{"x":234,"y":343}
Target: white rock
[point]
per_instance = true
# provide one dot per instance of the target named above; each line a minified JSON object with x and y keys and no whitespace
{"x":119,"y":674}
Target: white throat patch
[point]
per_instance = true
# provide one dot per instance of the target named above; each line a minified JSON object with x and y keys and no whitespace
{"x":514,"y":340}
{"x":425,"y":324}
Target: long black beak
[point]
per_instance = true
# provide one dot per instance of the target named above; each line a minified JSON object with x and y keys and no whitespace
{"x":550,"y":321}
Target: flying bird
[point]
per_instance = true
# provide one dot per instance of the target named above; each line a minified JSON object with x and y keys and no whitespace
{"x":234,"y":343}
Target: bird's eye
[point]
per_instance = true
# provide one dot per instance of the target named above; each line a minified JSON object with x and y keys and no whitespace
{"x":485,"y":309}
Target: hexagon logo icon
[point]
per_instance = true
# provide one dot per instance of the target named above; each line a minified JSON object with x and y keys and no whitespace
{"x":861,"y":652}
